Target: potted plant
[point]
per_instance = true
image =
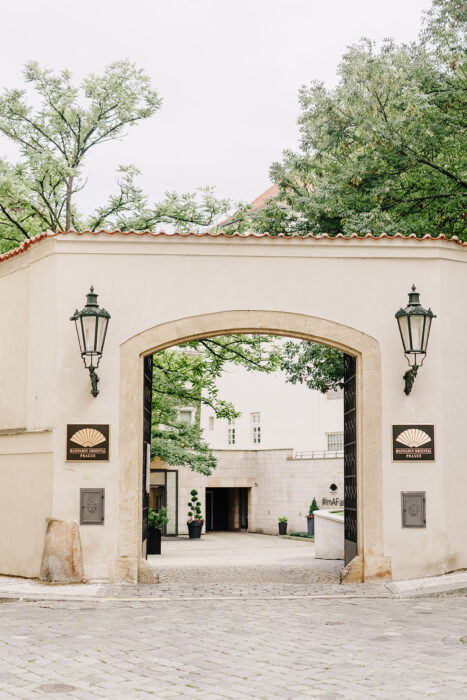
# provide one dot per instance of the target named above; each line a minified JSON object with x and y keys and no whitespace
{"x":283,"y":525}
{"x":195,"y":517}
{"x":311,"y":518}
{"x":156,"y":521}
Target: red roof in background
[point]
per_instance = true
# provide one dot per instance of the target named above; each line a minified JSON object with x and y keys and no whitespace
{"x":260,"y":201}
{"x":25,"y":245}
{"x":256,"y":204}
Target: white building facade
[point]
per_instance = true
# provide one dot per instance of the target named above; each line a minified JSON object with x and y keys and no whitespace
{"x":274,"y":415}
{"x":162,"y":290}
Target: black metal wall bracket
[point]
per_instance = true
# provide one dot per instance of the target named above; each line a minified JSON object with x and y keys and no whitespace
{"x":409,"y":378}
{"x":94,"y":381}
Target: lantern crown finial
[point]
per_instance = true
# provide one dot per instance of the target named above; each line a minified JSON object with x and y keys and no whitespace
{"x":91,"y":297}
{"x":414,"y":297}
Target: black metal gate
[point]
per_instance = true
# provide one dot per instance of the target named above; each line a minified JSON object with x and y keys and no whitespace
{"x":350,"y":458}
{"x":147,"y":411}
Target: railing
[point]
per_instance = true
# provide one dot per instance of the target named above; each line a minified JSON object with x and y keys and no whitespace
{"x":324,"y":454}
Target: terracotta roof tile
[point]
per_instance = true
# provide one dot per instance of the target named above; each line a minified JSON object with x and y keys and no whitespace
{"x":260,"y":201}
{"x":25,"y":245}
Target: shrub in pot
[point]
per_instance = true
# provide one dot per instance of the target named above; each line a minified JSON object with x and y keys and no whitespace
{"x":195,"y":516}
{"x":311,"y":518}
{"x":283,"y":525}
{"x":157,"y":519}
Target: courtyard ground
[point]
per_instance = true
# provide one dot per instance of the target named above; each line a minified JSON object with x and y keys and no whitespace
{"x":237,"y":641}
{"x":242,"y":557}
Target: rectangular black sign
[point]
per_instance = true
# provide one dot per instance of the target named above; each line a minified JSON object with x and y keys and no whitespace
{"x":87,"y":443}
{"x":413,"y":443}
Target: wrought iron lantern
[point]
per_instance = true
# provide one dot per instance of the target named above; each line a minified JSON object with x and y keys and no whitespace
{"x":91,"y":327}
{"x":414,"y":326}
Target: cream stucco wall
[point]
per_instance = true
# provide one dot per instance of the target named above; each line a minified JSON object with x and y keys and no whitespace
{"x":164,"y":289}
{"x":26,"y":479}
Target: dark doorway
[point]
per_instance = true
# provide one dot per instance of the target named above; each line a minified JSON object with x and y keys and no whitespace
{"x":217,"y":509}
{"x":226,"y":509}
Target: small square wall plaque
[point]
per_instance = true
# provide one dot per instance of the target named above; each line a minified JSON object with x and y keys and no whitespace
{"x":92,"y":506}
{"x":413,"y":509}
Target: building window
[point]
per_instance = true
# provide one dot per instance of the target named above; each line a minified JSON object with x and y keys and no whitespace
{"x":211,"y":422}
{"x":231,"y":432}
{"x":335,"y":442}
{"x":186,"y":415}
{"x":256,"y":428}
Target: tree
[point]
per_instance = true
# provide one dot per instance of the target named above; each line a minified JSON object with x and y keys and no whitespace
{"x":187,"y":376}
{"x":384,"y":151}
{"x":318,"y":366}
{"x":38,"y":192}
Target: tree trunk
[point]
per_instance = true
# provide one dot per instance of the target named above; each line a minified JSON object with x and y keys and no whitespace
{"x":69,"y":188}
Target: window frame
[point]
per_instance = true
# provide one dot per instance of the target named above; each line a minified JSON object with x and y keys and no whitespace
{"x":231,"y":431}
{"x":255,"y":427}
{"x":340,"y":447}
{"x":186,"y":409}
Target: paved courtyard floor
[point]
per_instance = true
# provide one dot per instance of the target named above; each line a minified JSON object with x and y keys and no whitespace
{"x":248,"y":641}
{"x":242,"y":557}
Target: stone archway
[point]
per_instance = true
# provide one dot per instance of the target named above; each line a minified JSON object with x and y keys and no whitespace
{"x":370,"y":562}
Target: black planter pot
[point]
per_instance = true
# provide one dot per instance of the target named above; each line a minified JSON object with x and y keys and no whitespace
{"x":282,"y":528}
{"x":154,"y":541}
{"x":311,"y":526}
{"x":194,"y":530}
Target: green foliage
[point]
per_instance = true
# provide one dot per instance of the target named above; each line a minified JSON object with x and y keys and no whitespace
{"x":54,"y":140}
{"x":384,"y":151}
{"x":318,"y":366}
{"x":313,"y":507}
{"x":157,"y":519}
{"x":195,"y":513}
{"x":305,"y":535}
{"x":187,"y":376}
{"x":282,"y":519}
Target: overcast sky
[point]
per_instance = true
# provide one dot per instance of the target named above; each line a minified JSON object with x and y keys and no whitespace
{"x":228,"y":71}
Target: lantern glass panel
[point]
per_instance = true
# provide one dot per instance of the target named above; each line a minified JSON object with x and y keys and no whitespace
{"x":89,"y":332}
{"x":78,"y":333}
{"x":404,"y":329}
{"x":101,"y":331}
{"x":427,"y":332}
{"x":416,"y":326}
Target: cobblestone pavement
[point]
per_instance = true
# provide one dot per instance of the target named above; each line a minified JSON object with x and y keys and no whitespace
{"x":247,"y":641}
{"x":242,"y":557}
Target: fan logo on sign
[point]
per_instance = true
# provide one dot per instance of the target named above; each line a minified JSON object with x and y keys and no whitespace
{"x":413,"y":438}
{"x":88,"y":437}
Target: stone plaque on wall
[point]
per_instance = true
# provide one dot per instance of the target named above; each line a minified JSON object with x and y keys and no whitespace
{"x":413,"y":509}
{"x":413,"y":443}
{"x":87,"y":443}
{"x":92,"y":506}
